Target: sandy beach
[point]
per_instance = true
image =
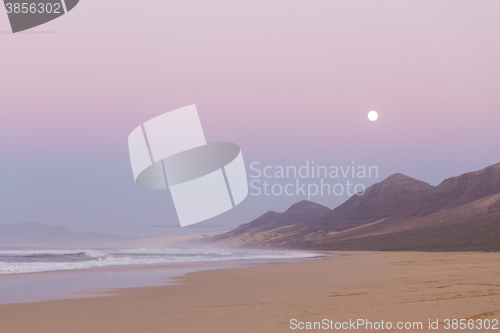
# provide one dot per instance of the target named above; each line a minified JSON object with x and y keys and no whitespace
{"x":374,"y":286}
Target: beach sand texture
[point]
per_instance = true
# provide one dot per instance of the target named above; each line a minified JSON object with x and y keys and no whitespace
{"x":389,"y":286}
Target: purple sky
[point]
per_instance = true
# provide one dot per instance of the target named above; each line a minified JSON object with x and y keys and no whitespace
{"x":288,"y":81}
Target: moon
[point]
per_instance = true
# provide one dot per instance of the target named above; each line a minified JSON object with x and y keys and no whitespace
{"x":373,"y":115}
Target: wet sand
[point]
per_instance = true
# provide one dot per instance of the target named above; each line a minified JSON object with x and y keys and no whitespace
{"x":99,"y":281}
{"x":374,"y":286}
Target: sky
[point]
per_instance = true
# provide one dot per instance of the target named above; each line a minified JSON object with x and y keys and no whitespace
{"x":289,"y":81}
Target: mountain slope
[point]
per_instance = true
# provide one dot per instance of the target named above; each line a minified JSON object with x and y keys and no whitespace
{"x":400,"y":197}
{"x":393,"y":197}
{"x":399,"y":213}
{"x":297,"y":213}
{"x":469,"y":227}
{"x":463,"y":189}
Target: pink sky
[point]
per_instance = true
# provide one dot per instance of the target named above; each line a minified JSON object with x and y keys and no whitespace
{"x":286,"y":80}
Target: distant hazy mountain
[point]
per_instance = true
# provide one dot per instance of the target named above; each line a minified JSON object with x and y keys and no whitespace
{"x":164,"y":240}
{"x":399,"y":213}
{"x":39,"y":235}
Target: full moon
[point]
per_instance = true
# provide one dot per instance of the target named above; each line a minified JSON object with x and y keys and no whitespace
{"x":372,"y":115}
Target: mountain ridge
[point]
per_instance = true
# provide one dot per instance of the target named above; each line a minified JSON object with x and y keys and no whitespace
{"x":399,"y":205}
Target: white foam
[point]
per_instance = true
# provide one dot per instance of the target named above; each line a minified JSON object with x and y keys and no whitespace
{"x":30,"y":267}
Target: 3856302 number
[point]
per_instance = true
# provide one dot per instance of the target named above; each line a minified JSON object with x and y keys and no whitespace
{"x":462,"y":324}
{"x":33,"y":8}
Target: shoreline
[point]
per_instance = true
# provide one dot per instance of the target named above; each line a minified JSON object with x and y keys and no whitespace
{"x":389,"y":286}
{"x":160,"y":263}
{"x":105,"y":280}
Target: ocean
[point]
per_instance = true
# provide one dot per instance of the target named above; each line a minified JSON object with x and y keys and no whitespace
{"x":70,"y":273}
{"x":30,"y":261}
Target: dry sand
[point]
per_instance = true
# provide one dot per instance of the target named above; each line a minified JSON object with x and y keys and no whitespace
{"x":389,"y":286}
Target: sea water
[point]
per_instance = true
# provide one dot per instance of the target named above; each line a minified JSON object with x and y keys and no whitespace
{"x":69,"y":273}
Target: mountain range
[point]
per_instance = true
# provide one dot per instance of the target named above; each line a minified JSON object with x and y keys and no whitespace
{"x":399,"y":213}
